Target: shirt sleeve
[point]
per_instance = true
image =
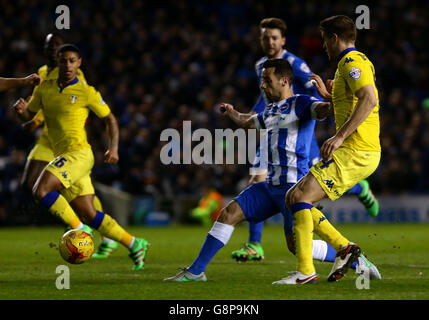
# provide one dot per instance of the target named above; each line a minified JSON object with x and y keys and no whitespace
{"x":357,"y":73}
{"x":305,"y":107}
{"x":35,"y":103}
{"x":96,"y":103}
{"x":259,"y":121}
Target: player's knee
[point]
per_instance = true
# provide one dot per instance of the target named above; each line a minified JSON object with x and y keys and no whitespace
{"x":39,"y":191}
{"x":290,"y":198}
{"x":230,"y":215}
{"x":224,"y":215}
{"x":294,"y":195}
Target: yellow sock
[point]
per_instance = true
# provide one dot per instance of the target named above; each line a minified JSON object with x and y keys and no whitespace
{"x":97,"y":204}
{"x":325,"y":230}
{"x":58,"y":205}
{"x":108,"y":227}
{"x":99,"y":207}
{"x":303,"y":231}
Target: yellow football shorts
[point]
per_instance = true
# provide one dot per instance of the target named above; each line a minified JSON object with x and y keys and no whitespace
{"x":346,"y":168}
{"x":73,"y":169}
{"x":42,"y":151}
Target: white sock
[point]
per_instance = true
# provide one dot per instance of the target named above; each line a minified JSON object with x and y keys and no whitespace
{"x":221,"y":231}
{"x":110,"y":240}
{"x":320,"y":249}
{"x":80,"y":226}
{"x":131,"y":243}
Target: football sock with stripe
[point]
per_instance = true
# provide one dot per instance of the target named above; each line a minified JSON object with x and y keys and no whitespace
{"x":303,"y":231}
{"x":217,"y":238}
{"x":99,"y":207}
{"x":58,"y":206}
{"x":108,"y":227}
{"x":324,"y":229}
{"x":323,"y":251}
{"x":255,"y":231}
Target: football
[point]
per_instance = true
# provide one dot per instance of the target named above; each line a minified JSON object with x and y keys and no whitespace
{"x":76,"y":246}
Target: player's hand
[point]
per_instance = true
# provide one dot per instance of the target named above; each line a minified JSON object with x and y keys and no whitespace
{"x":225,"y":108}
{"x":321,"y":87}
{"x":32,"y":80}
{"x":20,"y":106}
{"x":329,"y":146}
{"x":111,"y":156}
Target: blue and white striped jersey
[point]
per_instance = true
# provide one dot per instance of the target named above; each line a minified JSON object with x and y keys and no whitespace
{"x":289,"y":126}
{"x":300,"y":85}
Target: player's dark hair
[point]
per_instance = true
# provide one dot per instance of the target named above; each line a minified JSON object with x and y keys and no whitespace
{"x":343,"y":26}
{"x":282,"y":68}
{"x":274,"y":23}
{"x":68,"y":47}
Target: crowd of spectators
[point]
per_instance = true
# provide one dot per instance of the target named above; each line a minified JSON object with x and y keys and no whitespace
{"x":157,"y":66}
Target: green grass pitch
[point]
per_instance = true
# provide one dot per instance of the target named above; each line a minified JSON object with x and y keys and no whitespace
{"x":28,"y":260}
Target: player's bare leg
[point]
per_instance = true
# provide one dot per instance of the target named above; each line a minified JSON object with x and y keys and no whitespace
{"x":32,"y":170}
{"x":47,"y":190}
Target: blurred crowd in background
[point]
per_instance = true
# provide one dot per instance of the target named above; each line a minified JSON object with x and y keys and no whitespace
{"x":158,"y":66}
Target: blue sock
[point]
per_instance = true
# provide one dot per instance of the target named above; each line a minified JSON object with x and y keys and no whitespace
{"x":330,"y":254}
{"x":49,"y":199}
{"x":210,"y":247}
{"x":357,"y":189}
{"x":98,"y":219}
{"x":354,"y":264}
{"x":255,"y":231}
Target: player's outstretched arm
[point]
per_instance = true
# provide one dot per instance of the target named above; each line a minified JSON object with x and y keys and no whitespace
{"x":10,"y":83}
{"x":367,"y":100}
{"x":243,"y":120}
{"x":111,"y":155}
{"x":21,"y":109}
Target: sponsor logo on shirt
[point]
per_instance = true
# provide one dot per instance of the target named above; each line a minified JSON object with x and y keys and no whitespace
{"x":355,"y":73}
{"x":304,"y":67}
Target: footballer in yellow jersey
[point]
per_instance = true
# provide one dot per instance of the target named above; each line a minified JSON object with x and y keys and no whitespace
{"x":42,"y":152}
{"x":66,"y":102}
{"x":348,"y":157}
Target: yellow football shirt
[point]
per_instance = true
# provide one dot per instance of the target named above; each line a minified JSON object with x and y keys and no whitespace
{"x":45,"y":75}
{"x":355,"y":71}
{"x":66,"y":110}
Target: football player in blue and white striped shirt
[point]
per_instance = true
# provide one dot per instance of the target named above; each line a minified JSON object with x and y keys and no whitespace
{"x":272,"y":42}
{"x":289,"y":122}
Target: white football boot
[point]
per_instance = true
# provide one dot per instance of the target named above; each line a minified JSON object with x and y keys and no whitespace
{"x":297,"y":277}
